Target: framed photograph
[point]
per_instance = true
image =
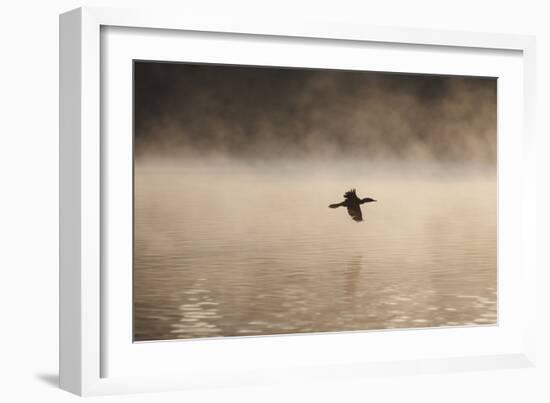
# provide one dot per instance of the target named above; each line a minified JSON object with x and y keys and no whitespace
{"x":250,"y":202}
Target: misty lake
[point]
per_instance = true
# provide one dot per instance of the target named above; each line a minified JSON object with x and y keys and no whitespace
{"x":230,"y":249}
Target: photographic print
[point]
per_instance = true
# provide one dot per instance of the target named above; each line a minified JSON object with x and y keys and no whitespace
{"x":273,"y":200}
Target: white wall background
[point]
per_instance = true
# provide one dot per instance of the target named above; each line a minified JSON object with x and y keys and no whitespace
{"x":29,"y":209}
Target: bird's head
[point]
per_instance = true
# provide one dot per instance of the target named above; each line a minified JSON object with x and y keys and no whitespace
{"x":367,"y":200}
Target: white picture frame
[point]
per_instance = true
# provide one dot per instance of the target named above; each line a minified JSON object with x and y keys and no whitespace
{"x":96,"y":355}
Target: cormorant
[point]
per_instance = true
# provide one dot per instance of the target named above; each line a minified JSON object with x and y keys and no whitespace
{"x":353,"y":204}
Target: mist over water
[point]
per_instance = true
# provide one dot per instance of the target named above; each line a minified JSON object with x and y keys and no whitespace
{"x":235,"y":168}
{"x":186,"y":110}
{"x":229,"y":249}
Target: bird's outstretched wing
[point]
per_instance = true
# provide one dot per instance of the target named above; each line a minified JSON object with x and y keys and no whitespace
{"x":355,"y":213}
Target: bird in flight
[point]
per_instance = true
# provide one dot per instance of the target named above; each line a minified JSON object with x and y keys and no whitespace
{"x":353,"y":204}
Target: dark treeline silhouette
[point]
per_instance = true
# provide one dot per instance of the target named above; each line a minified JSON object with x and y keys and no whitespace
{"x":260,"y":112}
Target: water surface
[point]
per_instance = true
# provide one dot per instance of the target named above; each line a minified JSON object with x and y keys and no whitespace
{"x":230,"y":249}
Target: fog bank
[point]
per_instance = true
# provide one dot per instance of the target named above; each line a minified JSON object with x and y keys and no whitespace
{"x":251,"y":113}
